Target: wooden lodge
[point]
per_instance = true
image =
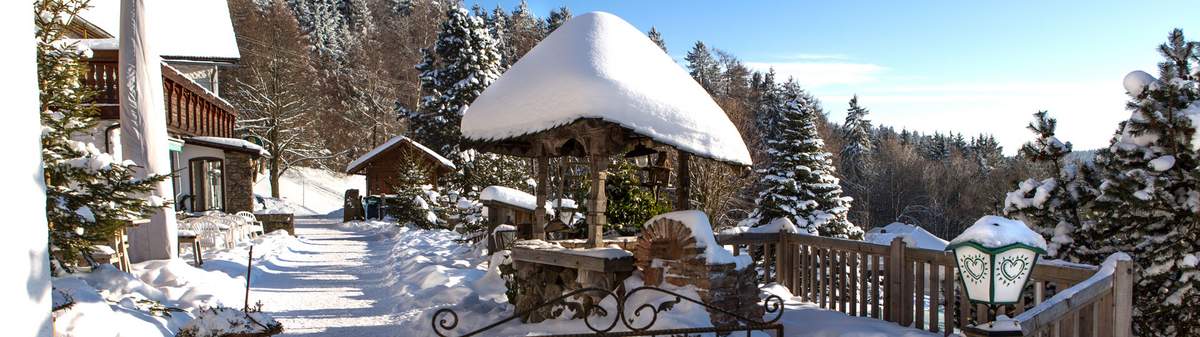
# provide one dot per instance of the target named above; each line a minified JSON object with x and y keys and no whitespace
{"x":383,"y":164}
{"x":213,"y":169}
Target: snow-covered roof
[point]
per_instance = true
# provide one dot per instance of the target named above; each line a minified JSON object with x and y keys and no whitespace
{"x":229,"y":143}
{"x":188,"y":29}
{"x":362,"y":161}
{"x":512,"y":196}
{"x":995,"y":231}
{"x":599,"y":66}
{"x":913,"y":236}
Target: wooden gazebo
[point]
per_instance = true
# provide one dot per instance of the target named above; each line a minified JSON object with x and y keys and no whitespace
{"x":597,"y":88}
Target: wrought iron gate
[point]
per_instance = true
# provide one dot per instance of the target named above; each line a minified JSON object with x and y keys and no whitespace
{"x":445,"y":320}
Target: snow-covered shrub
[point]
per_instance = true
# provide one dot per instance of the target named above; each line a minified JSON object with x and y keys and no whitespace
{"x":224,"y":322}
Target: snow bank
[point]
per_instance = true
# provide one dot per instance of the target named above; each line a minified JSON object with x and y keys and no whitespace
{"x":599,"y":66}
{"x":395,"y":141}
{"x":913,"y":236}
{"x":994,"y":231}
{"x":158,"y":297}
{"x":697,"y":222}
{"x":308,"y":191}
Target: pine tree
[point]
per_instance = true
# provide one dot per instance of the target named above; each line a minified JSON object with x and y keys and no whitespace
{"x":799,"y":181}
{"x":89,"y":194}
{"x":1052,"y":206}
{"x":557,"y":18}
{"x":523,"y":32}
{"x":461,"y":64}
{"x":703,"y":67}
{"x":1149,"y":196}
{"x":859,"y":142}
{"x":657,"y":38}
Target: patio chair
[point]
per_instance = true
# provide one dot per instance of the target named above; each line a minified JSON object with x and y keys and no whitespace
{"x":256,"y":227}
{"x":188,"y":234}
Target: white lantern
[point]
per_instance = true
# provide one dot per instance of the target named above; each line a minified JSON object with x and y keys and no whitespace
{"x":995,"y":258}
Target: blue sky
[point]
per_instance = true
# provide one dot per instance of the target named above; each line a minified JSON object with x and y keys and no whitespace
{"x":971,"y":66}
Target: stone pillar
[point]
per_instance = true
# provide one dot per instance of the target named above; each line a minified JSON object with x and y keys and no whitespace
{"x":539,"y":210}
{"x":597,"y":202}
{"x":239,"y":182}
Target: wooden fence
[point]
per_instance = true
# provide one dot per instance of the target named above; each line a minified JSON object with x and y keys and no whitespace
{"x":919,"y":288}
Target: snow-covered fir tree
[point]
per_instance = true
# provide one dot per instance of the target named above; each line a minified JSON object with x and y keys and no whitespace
{"x":461,"y":64}
{"x":557,"y":18}
{"x":1149,"y":195}
{"x":331,"y":25}
{"x":89,"y":193}
{"x":523,"y":31}
{"x":703,"y":66}
{"x":656,"y":36}
{"x":798,"y":182}
{"x":857,"y":133}
{"x":1051,"y":206}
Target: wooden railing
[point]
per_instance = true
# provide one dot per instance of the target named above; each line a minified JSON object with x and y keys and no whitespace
{"x":191,"y":109}
{"x":919,"y":288}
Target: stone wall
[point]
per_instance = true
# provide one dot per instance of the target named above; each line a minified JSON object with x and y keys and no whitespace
{"x":667,"y":252}
{"x":239,"y":182}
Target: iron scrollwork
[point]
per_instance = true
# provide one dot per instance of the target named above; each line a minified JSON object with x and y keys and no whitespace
{"x":445,"y":320}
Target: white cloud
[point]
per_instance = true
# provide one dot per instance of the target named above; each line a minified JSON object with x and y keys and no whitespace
{"x":819,"y":74}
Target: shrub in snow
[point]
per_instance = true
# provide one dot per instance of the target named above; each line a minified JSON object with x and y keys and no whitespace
{"x":88,"y":192}
{"x":629,"y":204}
{"x":799,"y":181}
{"x":228,"y":322}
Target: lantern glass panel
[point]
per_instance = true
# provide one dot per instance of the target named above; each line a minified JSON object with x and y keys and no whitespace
{"x":1011,"y":270}
{"x":975,"y":270}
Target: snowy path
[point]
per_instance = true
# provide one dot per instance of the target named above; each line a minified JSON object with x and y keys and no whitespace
{"x":324,"y":284}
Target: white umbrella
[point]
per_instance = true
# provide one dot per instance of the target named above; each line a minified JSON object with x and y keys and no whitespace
{"x":25,"y":285}
{"x":144,"y":128}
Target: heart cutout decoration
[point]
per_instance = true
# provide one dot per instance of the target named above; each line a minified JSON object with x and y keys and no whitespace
{"x":1012,"y":268}
{"x":975,"y":267}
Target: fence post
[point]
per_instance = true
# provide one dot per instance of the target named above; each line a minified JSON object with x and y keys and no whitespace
{"x":780,"y":264}
{"x":895,"y":284}
{"x":1123,"y":299}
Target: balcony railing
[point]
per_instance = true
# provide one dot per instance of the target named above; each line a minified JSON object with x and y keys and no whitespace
{"x":191,"y":109}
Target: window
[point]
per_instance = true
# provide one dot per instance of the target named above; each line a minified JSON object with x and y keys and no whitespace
{"x":208,"y":184}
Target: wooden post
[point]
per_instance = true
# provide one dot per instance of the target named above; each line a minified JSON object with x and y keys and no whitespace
{"x":781,"y":262}
{"x":683,"y":192}
{"x":539,"y":210}
{"x":494,"y":218}
{"x":896,"y":275}
{"x":597,"y":202}
{"x":1123,"y":299}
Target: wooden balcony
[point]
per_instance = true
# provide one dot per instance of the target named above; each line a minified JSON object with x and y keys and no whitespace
{"x":191,"y":109}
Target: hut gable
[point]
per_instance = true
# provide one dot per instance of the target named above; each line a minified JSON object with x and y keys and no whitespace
{"x":383,"y":164}
{"x":599,"y":67}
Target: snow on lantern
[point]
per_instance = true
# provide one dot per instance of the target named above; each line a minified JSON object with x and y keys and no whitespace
{"x":995,"y":258}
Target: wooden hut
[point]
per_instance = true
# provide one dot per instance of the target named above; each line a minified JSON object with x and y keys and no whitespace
{"x":383,"y":164}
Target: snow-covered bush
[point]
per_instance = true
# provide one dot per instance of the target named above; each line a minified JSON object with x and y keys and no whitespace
{"x":222,"y":322}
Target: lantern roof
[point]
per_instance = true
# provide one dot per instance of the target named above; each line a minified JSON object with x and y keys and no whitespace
{"x":995,"y":232}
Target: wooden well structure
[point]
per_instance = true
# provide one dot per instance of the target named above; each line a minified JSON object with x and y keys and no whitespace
{"x":594,"y":89}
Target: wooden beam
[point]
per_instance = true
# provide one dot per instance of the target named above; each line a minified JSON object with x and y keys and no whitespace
{"x":683,"y":192}
{"x":597,"y":201}
{"x":539,"y":211}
